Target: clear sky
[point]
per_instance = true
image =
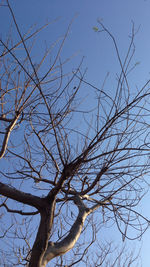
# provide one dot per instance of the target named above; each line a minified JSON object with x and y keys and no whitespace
{"x":97,"y":49}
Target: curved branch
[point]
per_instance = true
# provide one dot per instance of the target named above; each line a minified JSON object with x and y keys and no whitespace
{"x":60,"y":248}
{"x":7,"y":134}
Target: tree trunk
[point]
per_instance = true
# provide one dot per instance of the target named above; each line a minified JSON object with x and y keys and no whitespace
{"x":43,"y":234}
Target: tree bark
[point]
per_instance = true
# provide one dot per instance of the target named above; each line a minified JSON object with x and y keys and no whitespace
{"x":22,"y":197}
{"x":43,"y":234}
{"x":60,"y":248}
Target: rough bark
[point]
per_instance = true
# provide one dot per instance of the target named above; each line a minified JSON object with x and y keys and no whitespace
{"x":44,"y":230}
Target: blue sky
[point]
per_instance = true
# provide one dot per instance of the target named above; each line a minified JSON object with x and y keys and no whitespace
{"x":97,"y":49}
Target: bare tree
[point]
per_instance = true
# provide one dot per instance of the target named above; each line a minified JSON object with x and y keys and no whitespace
{"x":68,"y":170}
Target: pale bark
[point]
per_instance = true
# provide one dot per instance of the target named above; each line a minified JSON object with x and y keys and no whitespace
{"x":7,"y":135}
{"x":60,"y":248}
{"x":44,"y":251}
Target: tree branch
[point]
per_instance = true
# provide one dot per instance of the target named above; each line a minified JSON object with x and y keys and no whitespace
{"x":60,"y":248}
{"x":20,"y":196}
{"x":7,"y":134}
{"x":19,"y":211}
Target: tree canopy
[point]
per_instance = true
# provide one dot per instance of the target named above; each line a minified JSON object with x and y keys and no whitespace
{"x":68,"y":168}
